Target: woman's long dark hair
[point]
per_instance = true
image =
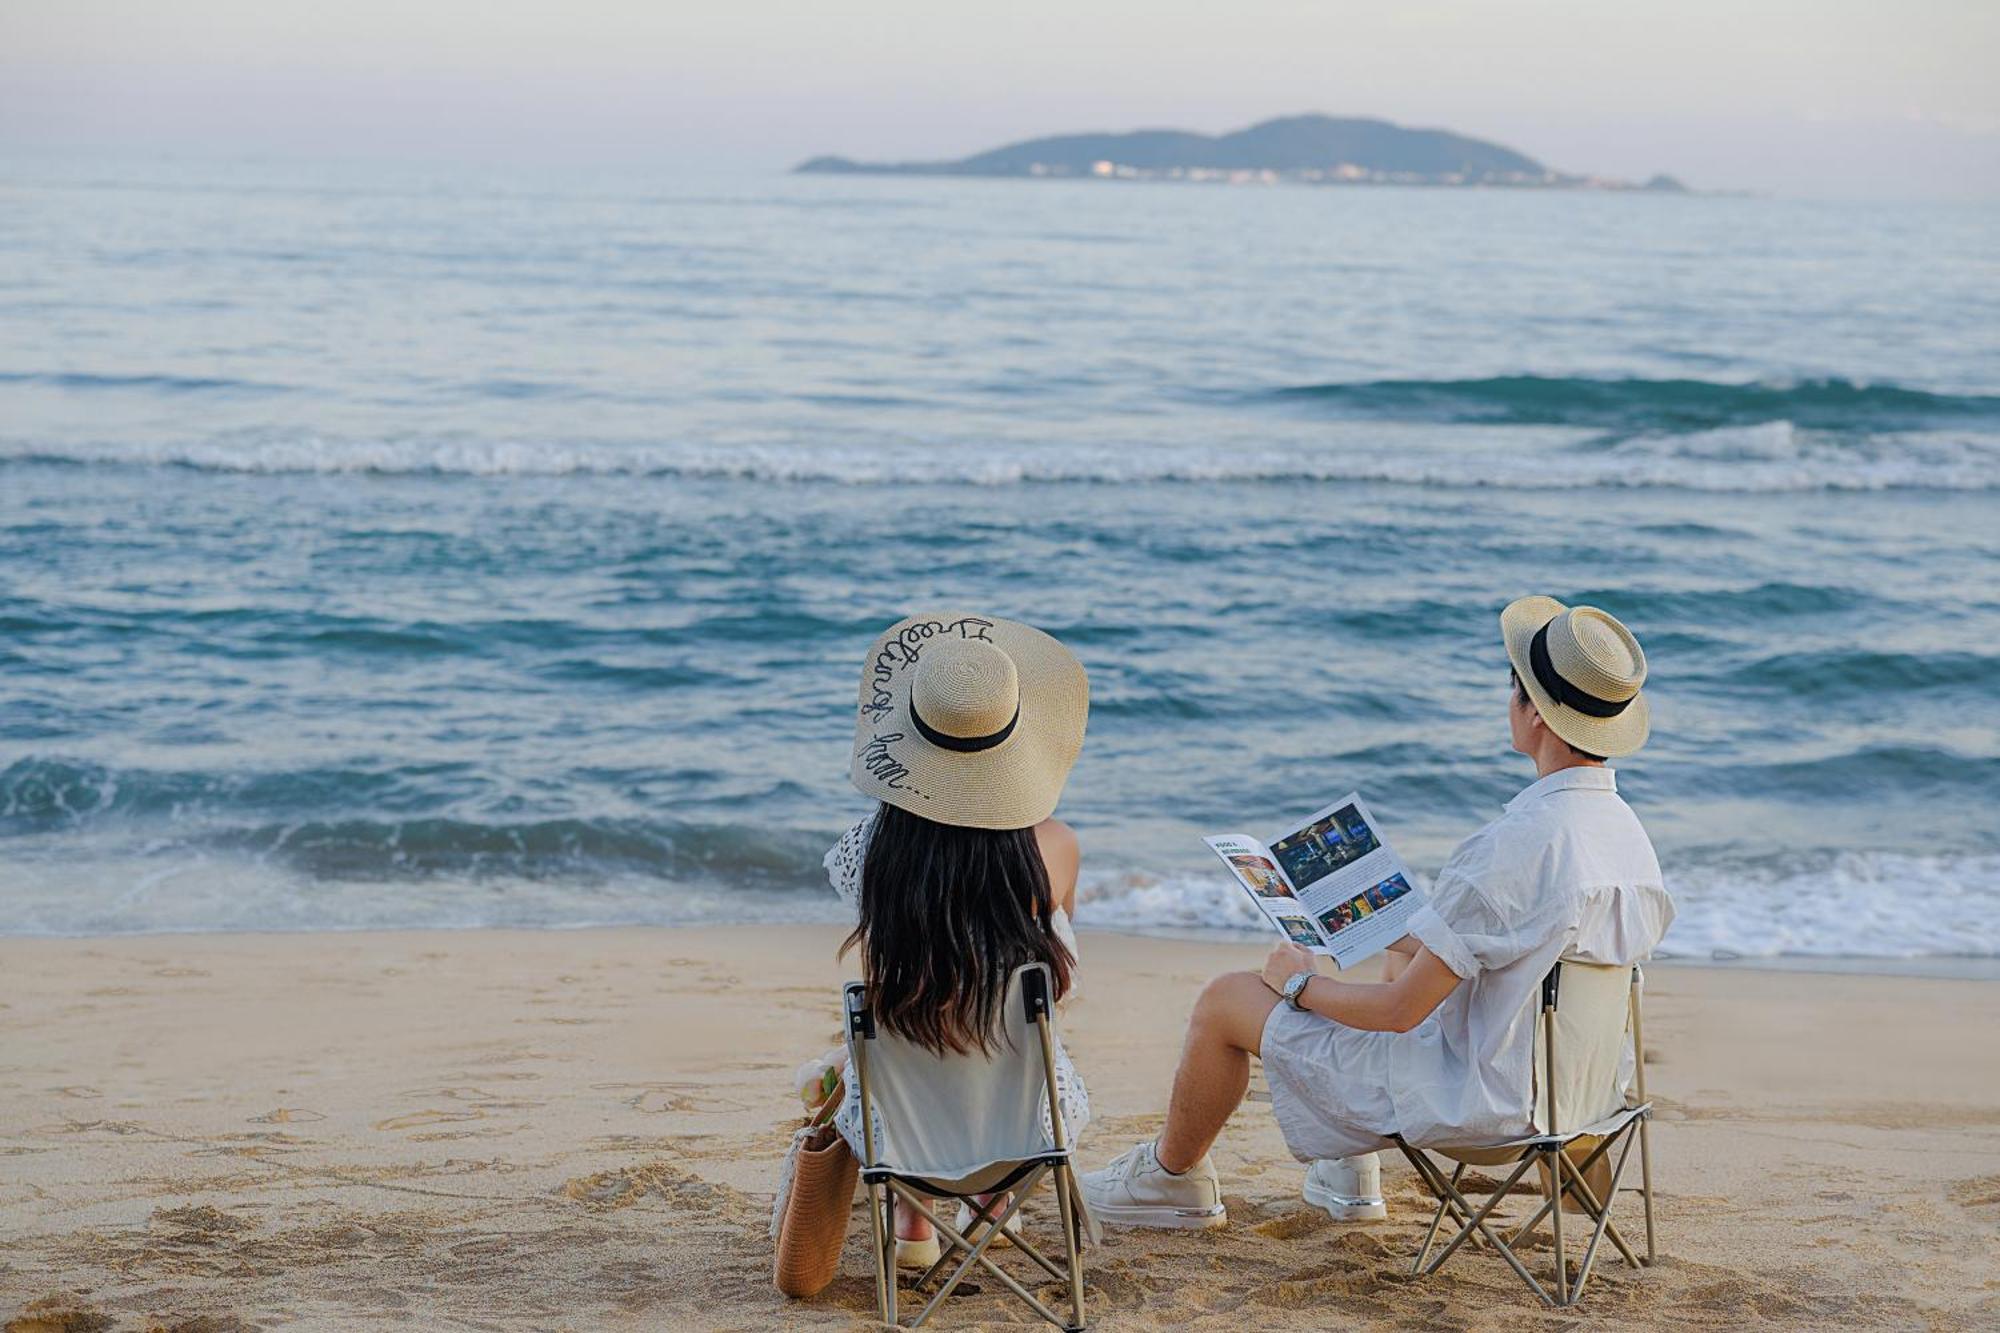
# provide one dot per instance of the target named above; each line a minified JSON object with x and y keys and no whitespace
{"x":947,"y":914}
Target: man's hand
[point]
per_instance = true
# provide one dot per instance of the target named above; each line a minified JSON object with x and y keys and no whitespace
{"x":1286,"y":959}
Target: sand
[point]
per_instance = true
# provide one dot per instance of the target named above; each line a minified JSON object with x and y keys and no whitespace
{"x":580,"y":1130}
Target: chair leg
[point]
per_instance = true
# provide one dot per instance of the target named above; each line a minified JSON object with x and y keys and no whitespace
{"x":976,"y":1254}
{"x":1556,"y":1212}
{"x":1066,"y":1201}
{"x":1646,"y":1178}
{"x":1421,"y":1165}
{"x":1477,"y":1225}
{"x":885,"y":1257}
{"x":1437,"y":1220}
{"x":1600,"y":1210}
{"x":1603,"y":1212}
{"x":1580,"y":1190}
{"x":889,"y":1252}
{"x":1442,"y":1190}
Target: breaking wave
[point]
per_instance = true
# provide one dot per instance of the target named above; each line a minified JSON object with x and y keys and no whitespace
{"x":1670,"y":405}
{"x":1851,"y":904}
{"x":1772,"y":456}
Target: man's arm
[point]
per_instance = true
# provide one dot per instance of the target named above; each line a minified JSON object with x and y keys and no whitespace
{"x":1378,"y":1006}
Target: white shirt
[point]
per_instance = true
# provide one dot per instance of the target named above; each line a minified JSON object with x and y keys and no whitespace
{"x":1565,"y":872}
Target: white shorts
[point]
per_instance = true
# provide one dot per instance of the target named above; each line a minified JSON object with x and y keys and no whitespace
{"x":1329,"y":1084}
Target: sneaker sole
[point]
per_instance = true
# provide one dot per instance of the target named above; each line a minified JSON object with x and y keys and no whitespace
{"x":1340,"y":1209}
{"x":1160,"y":1216}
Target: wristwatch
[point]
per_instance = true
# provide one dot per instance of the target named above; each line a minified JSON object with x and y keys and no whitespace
{"x":1295,"y":988}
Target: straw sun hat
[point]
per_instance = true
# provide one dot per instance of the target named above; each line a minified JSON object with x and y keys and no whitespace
{"x":1583,"y":670}
{"x":969,"y":720}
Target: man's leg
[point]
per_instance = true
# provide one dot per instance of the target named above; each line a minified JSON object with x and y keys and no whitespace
{"x":1225,"y":1030}
{"x":1170,"y":1182}
{"x":1350,"y":1188}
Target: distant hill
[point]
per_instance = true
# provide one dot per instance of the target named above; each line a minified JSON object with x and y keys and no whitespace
{"x":1326,"y":149}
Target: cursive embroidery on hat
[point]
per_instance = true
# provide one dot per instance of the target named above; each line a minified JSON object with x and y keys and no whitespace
{"x":905,"y":649}
{"x":883,"y":766}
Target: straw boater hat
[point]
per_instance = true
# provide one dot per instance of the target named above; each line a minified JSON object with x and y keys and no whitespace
{"x":1583,"y":669}
{"x":969,"y":720}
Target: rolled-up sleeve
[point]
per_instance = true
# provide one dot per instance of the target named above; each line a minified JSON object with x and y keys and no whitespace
{"x":1436,"y":934}
{"x":1453,"y":917}
{"x":1463,"y":922}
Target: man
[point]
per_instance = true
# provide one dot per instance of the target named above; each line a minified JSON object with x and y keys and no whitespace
{"x":1436,"y":1051}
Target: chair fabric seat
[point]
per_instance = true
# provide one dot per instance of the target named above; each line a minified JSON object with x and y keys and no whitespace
{"x":1585,"y":1140}
{"x":985,"y":1180}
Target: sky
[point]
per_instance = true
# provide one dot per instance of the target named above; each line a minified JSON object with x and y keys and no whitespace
{"x":1810,"y":97}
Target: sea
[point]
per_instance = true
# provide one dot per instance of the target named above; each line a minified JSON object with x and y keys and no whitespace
{"x":392,"y":546}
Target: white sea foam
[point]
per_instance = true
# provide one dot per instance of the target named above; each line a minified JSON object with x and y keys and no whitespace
{"x":1859,"y":904}
{"x":1772,"y":456}
{"x":1864,"y":904}
{"x":1856,"y":905}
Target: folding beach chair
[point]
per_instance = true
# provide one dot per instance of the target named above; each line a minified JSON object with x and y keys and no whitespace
{"x":954,"y":1126}
{"x":1580,"y":1050}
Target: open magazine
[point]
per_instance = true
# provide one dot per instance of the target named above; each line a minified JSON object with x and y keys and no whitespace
{"x":1330,"y":883}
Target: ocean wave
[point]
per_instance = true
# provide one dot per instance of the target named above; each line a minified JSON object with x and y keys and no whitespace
{"x":51,"y":794}
{"x":1857,"y":904}
{"x":1754,"y":605}
{"x":92,"y":849}
{"x":396,"y":831}
{"x":570,"y":850}
{"x":1769,"y":457}
{"x":1652,"y":405}
{"x":1859,"y":670}
{"x":82,"y":382}
{"x":1851,"y":904}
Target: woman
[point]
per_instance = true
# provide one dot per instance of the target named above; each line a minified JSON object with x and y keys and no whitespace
{"x":967,"y":729}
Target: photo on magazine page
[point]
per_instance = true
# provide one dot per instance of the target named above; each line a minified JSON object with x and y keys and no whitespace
{"x":1267,"y":888}
{"x":1359,"y":926}
{"x":1329,"y":843}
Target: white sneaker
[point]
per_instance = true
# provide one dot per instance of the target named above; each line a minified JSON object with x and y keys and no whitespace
{"x":1349,"y":1188}
{"x":917,"y":1253}
{"x":1136,"y":1191}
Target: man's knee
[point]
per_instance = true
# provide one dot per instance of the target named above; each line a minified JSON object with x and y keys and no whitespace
{"x":1232,"y":1008}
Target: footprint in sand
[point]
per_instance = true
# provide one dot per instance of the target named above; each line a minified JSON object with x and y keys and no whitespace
{"x":417,"y":1119}
{"x":1977,"y":1192}
{"x":684,"y":1098}
{"x":57,"y":1314}
{"x":78,"y":1091}
{"x":286,"y":1115}
{"x":478,"y":1097}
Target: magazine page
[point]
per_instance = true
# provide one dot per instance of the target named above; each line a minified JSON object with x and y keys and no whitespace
{"x":1353,"y":886}
{"x":1250,"y":861}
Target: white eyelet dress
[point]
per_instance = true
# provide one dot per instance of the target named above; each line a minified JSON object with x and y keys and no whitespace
{"x":843,"y":868}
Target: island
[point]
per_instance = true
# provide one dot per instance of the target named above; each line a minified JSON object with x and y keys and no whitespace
{"x":1309,"y":149}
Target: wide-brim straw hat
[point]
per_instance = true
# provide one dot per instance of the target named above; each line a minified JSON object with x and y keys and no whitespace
{"x":1584,"y":671}
{"x":969,"y":720}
